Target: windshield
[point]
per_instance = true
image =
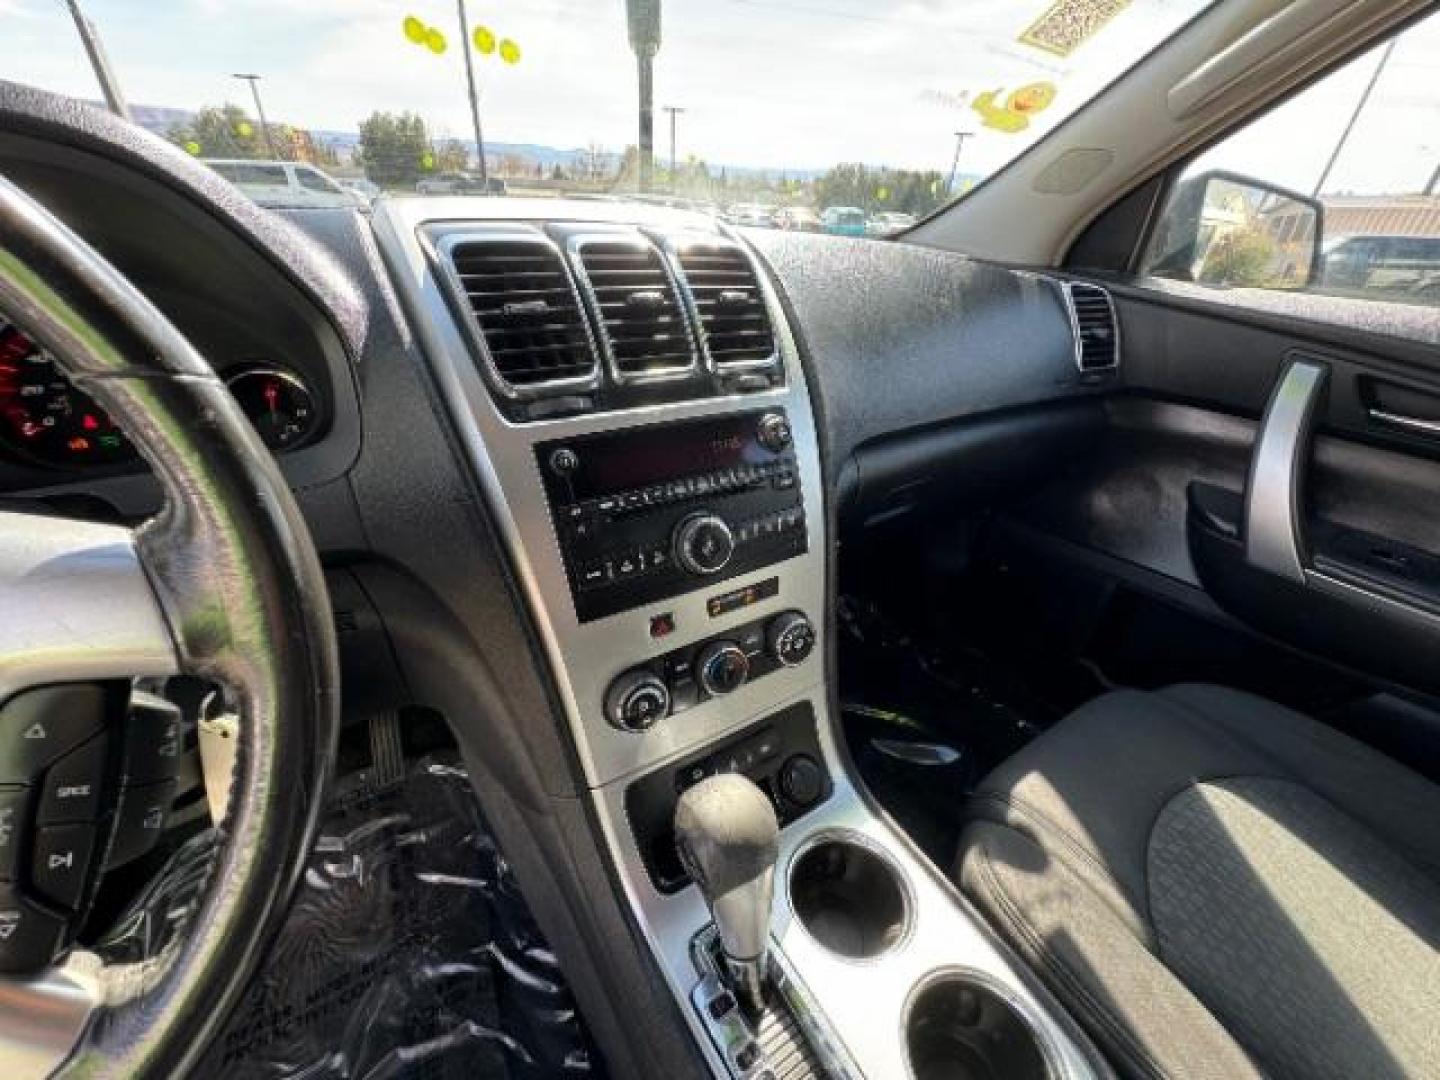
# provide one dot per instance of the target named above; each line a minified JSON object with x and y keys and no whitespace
{"x":753,"y":105}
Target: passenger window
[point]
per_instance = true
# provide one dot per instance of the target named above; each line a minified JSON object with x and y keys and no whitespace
{"x":1335,"y":192}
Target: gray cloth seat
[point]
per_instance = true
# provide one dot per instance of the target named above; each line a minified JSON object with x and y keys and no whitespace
{"x":1217,"y":886}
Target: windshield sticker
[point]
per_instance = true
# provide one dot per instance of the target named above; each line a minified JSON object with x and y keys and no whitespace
{"x":1014,"y":114}
{"x":1070,"y":23}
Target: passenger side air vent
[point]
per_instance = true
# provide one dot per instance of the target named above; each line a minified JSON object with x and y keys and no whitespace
{"x":1097,"y":333}
{"x":734,"y":325}
{"x":643,"y":328}
{"x":528,"y":312}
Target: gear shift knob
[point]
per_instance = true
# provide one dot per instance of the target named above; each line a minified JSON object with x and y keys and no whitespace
{"x":728,"y":839}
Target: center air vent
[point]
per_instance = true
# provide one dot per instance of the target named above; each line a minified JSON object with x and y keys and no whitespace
{"x":1096,"y":330}
{"x":735,"y":327}
{"x":528,"y":312}
{"x":642,"y":325}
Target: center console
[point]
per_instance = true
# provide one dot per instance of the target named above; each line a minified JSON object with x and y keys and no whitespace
{"x":631,"y":400}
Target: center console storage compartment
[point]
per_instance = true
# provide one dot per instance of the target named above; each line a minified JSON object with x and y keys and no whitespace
{"x":849,"y":897}
{"x":958,"y":1026}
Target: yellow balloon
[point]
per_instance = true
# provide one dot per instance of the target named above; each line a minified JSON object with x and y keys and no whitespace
{"x":435,"y":41}
{"x":244,"y":129}
{"x":427,"y":160}
{"x":484,"y":39}
{"x":192,"y":148}
{"x":509,"y":51}
{"x":415,"y":30}
{"x":882,"y":194}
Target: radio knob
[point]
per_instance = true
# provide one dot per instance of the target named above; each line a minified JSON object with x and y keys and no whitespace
{"x":703,"y":543}
{"x":789,"y":638}
{"x":636,"y":700}
{"x":774,"y":432}
{"x":722,"y":667}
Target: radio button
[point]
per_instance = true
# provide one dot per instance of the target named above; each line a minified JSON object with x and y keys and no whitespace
{"x":774,"y":432}
{"x":595,"y":575}
{"x":704,"y":544}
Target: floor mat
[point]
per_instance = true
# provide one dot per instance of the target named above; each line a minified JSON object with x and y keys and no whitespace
{"x":409,"y":951}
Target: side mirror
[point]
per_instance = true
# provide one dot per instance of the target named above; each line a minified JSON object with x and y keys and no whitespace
{"x":1225,"y":229}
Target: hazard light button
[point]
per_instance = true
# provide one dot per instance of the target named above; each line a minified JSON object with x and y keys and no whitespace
{"x":40,"y":725}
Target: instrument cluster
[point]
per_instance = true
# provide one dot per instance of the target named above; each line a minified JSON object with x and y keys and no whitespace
{"x":46,"y":420}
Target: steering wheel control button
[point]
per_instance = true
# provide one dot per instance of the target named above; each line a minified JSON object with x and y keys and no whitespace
{"x":152,"y":739}
{"x":40,"y":725}
{"x":29,"y":936}
{"x":723,"y":668}
{"x":802,"y":780}
{"x":72,"y":786}
{"x":704,"y":544}
{"x":790,"y":638}
{"x":774,"y":432}
{"x":637,"y":701}
{"x":61,"y":863}
{"x":140,"y":822}
{"x":12,"y":826}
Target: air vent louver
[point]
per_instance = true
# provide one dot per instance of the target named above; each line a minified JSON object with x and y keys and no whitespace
{"x":733,"y":319}
{"x":528,"y":311}
{"x":1095,"y":327}
{"x":639,"y":312}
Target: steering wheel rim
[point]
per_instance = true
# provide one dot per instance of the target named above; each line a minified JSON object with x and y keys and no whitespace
{"x":223,"y":584}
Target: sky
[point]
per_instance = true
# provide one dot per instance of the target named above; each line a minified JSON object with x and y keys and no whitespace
{"x":771,"y":83}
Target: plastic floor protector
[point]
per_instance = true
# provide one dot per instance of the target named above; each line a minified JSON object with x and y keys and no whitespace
{"x":409,"y":951}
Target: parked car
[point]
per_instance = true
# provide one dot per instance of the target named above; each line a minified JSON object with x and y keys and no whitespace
{"x":798,"y":219}
{"x":888,"y":223}
{"x":843,"y":220}
{"x":367,"y":190}
{"x":282,"y":183}
{"x":1399,"y":265}
{"x":460,"y":183}
{"x":755,"y":215}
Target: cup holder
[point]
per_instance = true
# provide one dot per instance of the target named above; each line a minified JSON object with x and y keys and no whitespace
{"x":849,"y":898}
{"x":958,"y":1027}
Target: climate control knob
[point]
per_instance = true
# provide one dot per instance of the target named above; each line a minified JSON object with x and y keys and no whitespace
{"x":790,"y":638}
{"x":722,"y":668}
{"x":774,"y":432}
{"x":703,"y":543}
{"x":636,"y":700}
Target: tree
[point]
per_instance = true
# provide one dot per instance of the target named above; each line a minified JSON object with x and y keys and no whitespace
{"x":226,"y":131}
{"x":451,"y":155}
{"x":394,"y":150}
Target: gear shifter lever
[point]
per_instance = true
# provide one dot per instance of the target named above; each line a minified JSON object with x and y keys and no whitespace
{"x":728,"y":839}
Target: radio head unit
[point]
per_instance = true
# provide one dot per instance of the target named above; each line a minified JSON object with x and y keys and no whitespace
{"x":647,"y":513}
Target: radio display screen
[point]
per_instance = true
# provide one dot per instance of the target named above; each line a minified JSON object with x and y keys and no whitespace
{"x":620,"y":461}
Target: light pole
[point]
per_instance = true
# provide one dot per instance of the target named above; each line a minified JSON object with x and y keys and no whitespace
{"x":109,"y":85}
{"x":674,"y":111}
{"x":1354,"y":116}
{"x":474,"y":101}
{"x":960,"y":137}
{"x":254,"y":81}
{"x":644,"y":19}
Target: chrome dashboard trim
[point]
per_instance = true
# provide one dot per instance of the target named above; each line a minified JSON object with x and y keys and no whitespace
{"x":585,"y":657}
{"x":43,"y":1018}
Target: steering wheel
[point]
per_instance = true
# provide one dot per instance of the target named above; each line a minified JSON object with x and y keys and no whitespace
{"x":223,"y":584}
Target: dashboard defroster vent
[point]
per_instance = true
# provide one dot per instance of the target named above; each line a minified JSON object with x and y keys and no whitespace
{"x":1097,"y":331}
{"x":643,"y":327}
{"x":528,"y":313}
{"x":734,"y":324}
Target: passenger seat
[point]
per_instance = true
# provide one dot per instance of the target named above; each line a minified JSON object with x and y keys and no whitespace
{"x":1218,"y":886}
